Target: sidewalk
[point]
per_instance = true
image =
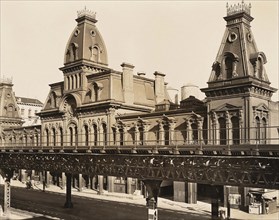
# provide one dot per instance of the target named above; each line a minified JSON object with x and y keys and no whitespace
{"x":199,"y":208}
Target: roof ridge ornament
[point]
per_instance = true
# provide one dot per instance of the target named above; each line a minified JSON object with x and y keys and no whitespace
{"x":4,"y":79}
{"x":238,"y":8}
{"x":86,"y":12}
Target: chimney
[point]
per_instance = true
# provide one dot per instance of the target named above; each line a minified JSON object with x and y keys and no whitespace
{"x":128,"y":82}
{"x":176,"y":99}
{"x":159,"y":86}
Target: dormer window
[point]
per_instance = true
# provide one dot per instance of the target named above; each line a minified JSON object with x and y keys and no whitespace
{"x":229,"y":65}
{"x":72,"y":52}
{"x":258,"y":60}
{"x":95,"y":53}
{"x":97,"y":89}
{"x":259,"y":68}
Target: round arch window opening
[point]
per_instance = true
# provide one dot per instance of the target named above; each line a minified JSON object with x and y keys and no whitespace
{"x":232,"y":37}
{"x":93,"y":33}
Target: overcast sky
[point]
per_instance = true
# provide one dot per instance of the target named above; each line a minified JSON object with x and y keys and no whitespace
{"x":178,"y":38}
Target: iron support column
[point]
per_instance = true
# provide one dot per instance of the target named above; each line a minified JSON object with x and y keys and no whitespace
{"x":63,"y":180}
{"x":68,"y":203}
{"x":153,"y":189}
{"x":215,"y":203}
{"x":8,"y":174}
{"x":100,"y":184}
{"x":80,"y":182}
{"x":7,"y":196}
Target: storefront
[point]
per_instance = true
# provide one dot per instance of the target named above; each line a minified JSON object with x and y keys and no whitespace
{"x":262,"y":201}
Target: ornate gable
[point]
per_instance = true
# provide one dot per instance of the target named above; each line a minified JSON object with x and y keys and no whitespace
{"x":226,"y":107}
{"x":261,"y":107}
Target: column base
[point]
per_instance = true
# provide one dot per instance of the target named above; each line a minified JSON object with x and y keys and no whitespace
{"x":68,"y":205}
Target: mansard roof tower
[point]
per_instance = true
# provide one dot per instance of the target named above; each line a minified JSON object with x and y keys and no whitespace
{"x":85,"y":45}
{"x":238,"y":81}
{"x":238,"y":62}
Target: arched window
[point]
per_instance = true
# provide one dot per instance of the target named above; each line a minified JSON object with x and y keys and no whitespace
{"x":71,"y":136}
{"x":105,"y":135}
{"x":86,"y":135}
{"x":61,"y":136}
{"x":195,"y":137}
{"x":10,"y":111}
{"x":141,"y":141}
{"x":258,"y":129}
{"x":235,"y":130}
{"x":95,"y":54}
{"x":76,"y":136}
{"x":74,"y":52}
{"x":47,"y":137}
{"x":54,"y":136}
{"x":166,"y":134}
{"x":31,"y":139}
{"x":229,"y":67}
{"x":132,"y":135}
{"x":222,"y":131}
{"x":157,"y":134}
{"x":260,"y":67}
{"x":114,"y":135}
{"x":121,"y":136}
{"x":95,"y":135}
{"x":264,"y":131}
{"x":96,"y":91}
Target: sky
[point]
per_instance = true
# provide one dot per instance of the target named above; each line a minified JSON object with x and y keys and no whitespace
{"x":178,"y":38}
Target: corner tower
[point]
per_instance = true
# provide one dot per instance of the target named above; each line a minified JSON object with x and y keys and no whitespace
{"x":238,"y":92}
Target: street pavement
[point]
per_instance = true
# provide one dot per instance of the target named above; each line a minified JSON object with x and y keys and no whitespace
{"x":189,"y":211}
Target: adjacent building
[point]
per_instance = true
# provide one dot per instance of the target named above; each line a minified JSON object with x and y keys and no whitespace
{"x":28,"y":108}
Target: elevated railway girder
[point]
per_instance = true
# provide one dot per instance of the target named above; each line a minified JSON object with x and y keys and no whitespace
{"x":248,"y":171}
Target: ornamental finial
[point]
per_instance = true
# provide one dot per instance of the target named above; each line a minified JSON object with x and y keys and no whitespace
{"x":86,"y":12}
{"x":238,"y":8}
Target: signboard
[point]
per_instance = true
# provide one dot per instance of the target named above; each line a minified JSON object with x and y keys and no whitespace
{"x":235,"y":199}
